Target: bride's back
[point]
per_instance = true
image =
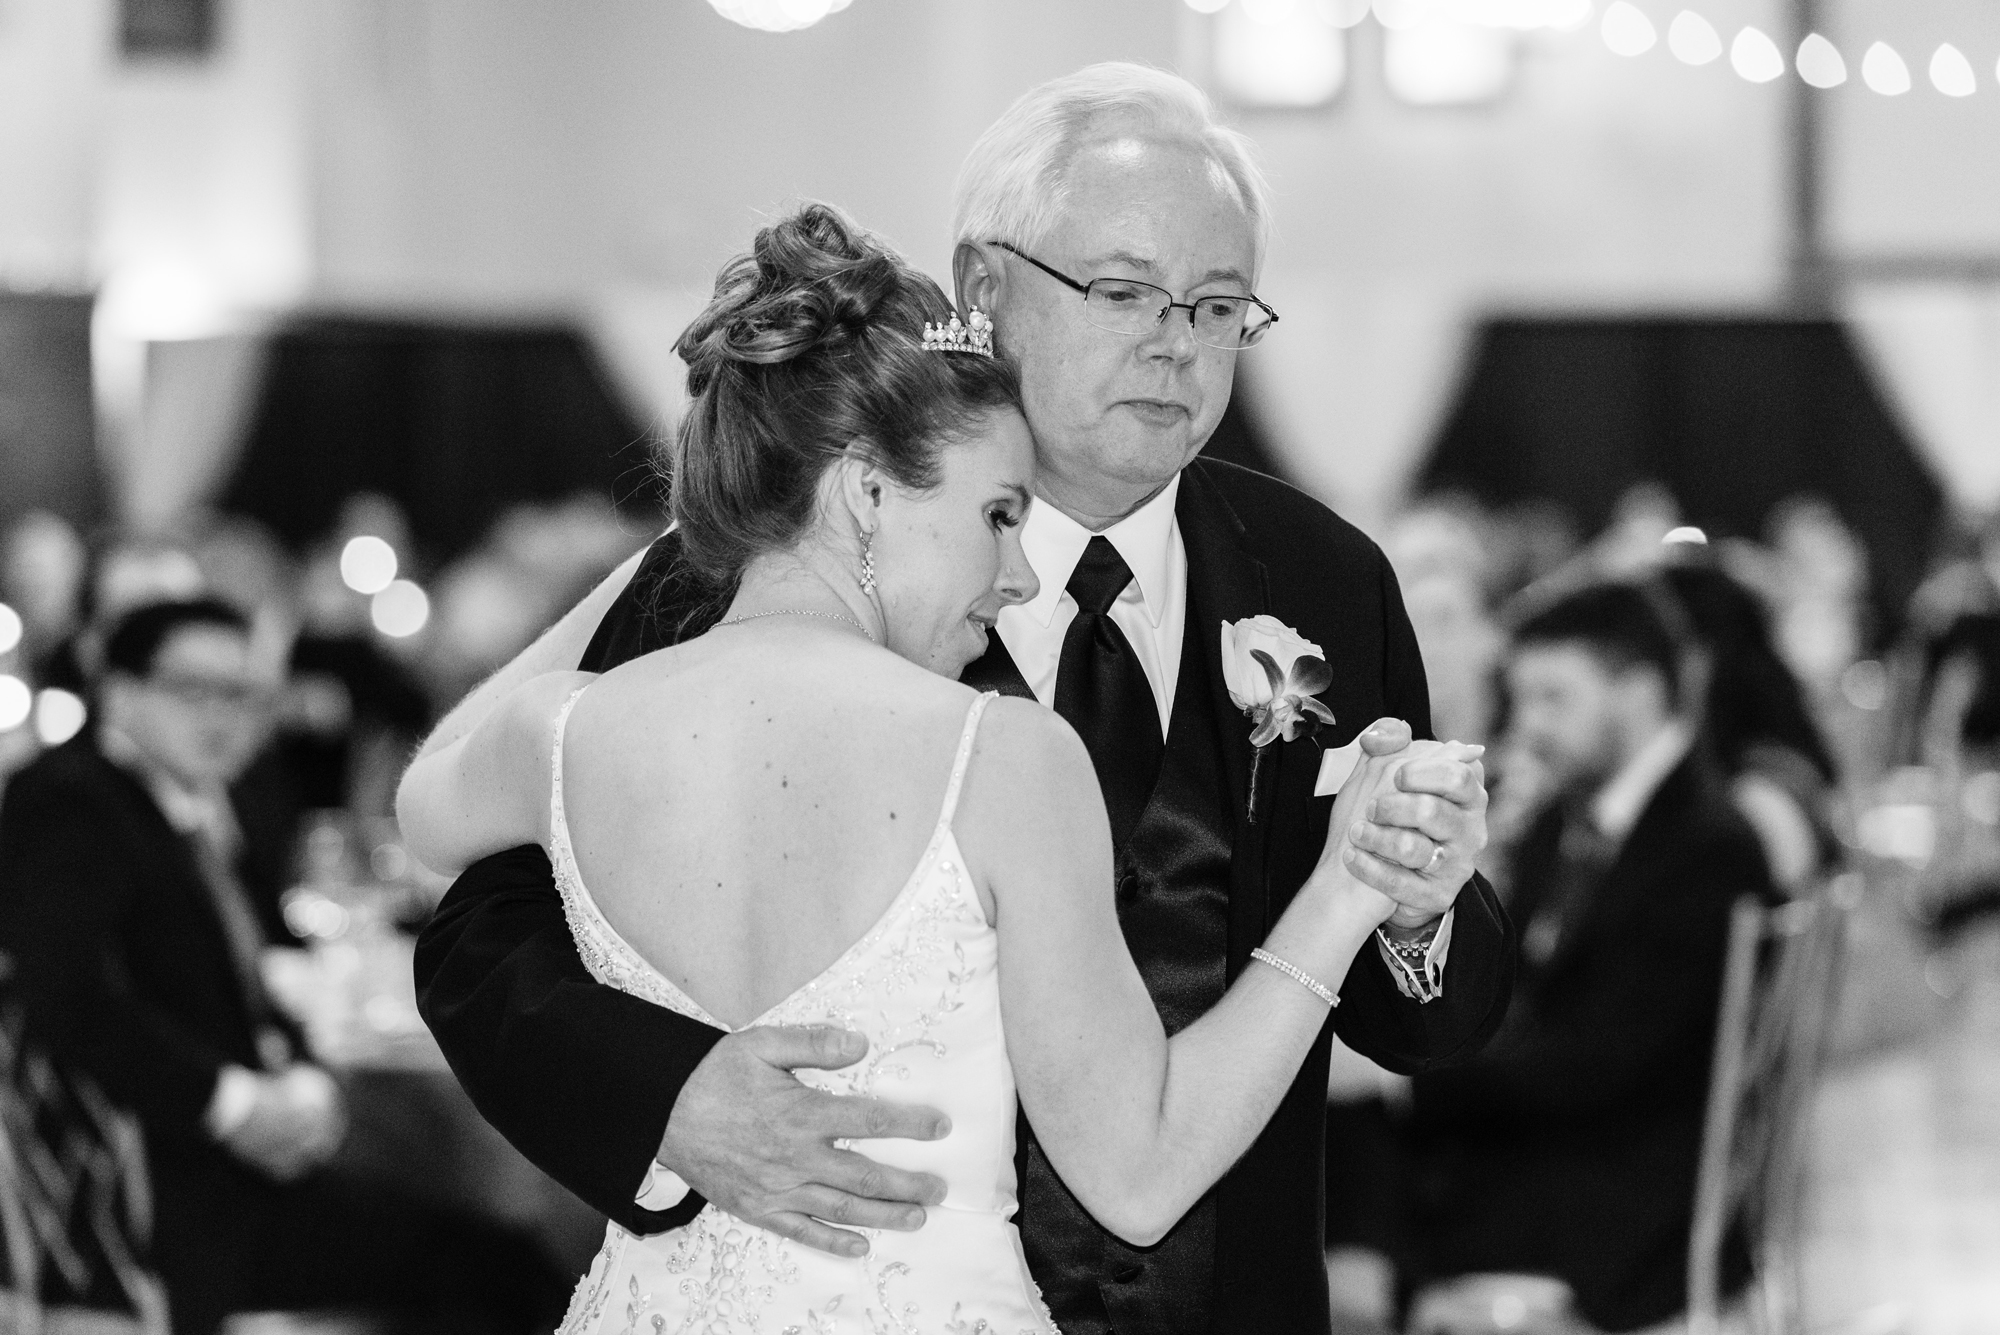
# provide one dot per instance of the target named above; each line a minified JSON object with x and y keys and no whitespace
{"x":746,"y":805}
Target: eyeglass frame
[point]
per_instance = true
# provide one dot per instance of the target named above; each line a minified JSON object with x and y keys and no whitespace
{"x":1171,"y":305}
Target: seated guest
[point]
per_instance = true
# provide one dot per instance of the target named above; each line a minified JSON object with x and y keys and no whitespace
{"x":123,"y":901}
{"x":1570,"y":1146}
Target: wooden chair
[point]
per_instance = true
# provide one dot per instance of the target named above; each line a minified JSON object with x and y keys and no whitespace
{"x":1780,"y":985}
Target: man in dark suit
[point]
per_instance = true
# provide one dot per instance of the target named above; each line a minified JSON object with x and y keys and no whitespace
{"x":1570,"y":1146}
{"x":124,"y":902}
{"x":1125,"y":317}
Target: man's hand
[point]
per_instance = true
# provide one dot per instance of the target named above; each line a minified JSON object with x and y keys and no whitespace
{"x":1417,"y":842}
{"x":748,"y":1136}
{"x":296,"y":1124}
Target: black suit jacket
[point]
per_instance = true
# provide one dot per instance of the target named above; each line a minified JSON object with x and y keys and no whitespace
{"x":582,"y":1077}
{"x":123,"y":965}
{"x":1570,"y":1146}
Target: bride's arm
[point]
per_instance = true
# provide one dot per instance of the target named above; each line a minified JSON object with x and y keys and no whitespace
{"x":1137,"y":1125}
{"x":487,"y":789}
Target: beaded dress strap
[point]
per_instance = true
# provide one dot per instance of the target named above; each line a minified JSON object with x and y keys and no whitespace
{"x":558,"y":818}
{"x":963,"y":758}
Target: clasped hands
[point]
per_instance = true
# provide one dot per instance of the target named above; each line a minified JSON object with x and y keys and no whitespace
{"x":753,"y":1140}
{"x":1410,"y":821}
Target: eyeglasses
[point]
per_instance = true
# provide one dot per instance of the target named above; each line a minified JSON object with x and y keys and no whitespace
{"x":1127,"y":306}
{"x":211,"y":694}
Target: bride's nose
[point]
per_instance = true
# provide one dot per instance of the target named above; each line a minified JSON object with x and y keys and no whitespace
{"x":1016,"y":582}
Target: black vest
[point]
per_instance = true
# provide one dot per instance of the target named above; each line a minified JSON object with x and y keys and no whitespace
{"x":1173,"y":876}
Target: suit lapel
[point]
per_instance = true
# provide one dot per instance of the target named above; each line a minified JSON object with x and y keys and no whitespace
{"x":1226,"y":583}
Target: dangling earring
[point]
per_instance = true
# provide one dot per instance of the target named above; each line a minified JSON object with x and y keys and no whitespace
{"x":867,"y":561}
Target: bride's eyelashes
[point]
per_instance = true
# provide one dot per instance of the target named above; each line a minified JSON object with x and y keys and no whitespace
{"x":1001,"y":517}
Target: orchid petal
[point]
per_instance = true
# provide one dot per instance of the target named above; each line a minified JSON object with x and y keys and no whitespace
{"x":1270,"y":666}
{"x":1309,"y":675}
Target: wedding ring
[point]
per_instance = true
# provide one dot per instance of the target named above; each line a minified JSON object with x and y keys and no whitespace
{"x":1437,"y":856}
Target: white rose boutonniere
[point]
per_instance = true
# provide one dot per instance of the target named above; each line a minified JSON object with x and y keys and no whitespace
{"x":1272,"y":673}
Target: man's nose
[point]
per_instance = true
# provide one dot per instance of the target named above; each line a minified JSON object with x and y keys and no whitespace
{"x":1172,"y":337}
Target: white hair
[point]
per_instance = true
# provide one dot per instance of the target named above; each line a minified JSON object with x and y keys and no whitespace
{"x":1014,"y":184}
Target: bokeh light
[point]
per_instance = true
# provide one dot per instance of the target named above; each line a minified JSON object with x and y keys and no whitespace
{"x":1207,"y":6}
{"x":367,"y":564}
{"x":777,"y":15}
{"x":16,"y":702}
{"x":59,"y":715}
{"x":1884,"y":71}
{"x":1693,"y":39}
{"x":1756,"y":57}
{"x":1819,"y":62}
{"x":1951,"y":72}
{"x":1627,"y":30}
{"x":401,"y":610}
{"x":10,"y":629}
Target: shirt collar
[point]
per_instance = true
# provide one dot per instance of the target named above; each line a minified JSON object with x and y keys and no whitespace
{"x":187,"y":809}
{"x":1619,"y":803}
{"x":1054,"y":543}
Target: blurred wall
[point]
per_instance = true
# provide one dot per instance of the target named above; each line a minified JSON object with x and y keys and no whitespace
{"x":603,"y":158}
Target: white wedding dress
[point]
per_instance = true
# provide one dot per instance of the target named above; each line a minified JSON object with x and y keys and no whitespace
{"x":921,"y":984}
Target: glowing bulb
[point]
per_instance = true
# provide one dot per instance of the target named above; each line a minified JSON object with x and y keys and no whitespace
{"x":1884,"y":71}
{"x":1693,"y":39}
{"x":10,"y":629}
{"x":1819,"y":62}
{"x":367,"y":564}
{"x":400,"y":610}
{"x":16,"y":703}
{"x":59,"y":716}
{"x":1756,"y":57}
{"x":805,"y":13}
{"x":1627,"y":31}
{"x":1951,"y":72}
{"x":1686,"y":535}
{"x":1207,"y":6}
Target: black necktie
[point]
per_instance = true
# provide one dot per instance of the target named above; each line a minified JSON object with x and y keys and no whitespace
{"x":1103,"y":692}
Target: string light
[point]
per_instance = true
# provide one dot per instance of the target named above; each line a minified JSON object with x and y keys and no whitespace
{"x":59,"y":715}
{"x":10,"y":629}
{"x":1951,"y":72}
{"x":1819,"y":62}
{"x":367,"y":564}
{"x":1884,"y":71}
{"x":778,"y":15}
{"x":16,"y":702}
{"x":1627,"y":30}
{"x":1693,"y":39}
{"x":1756,"y":57}
{"x":1207,"y":6}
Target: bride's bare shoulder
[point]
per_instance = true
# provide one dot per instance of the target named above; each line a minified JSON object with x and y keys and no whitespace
{"x":1028,"y":756}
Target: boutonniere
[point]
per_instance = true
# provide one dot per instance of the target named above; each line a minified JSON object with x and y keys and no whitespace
{"x":1272,"y":673}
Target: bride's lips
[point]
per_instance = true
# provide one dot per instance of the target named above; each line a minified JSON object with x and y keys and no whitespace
{"x":1158,"y":412}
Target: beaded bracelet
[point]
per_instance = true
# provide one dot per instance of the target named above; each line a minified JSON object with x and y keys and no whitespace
{"x":1298,"y":975}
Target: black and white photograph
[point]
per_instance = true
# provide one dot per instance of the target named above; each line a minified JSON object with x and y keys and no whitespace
{"x":999,"y":667}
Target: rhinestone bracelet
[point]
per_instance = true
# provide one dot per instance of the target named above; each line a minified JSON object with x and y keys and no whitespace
{"x":1298,"y":975}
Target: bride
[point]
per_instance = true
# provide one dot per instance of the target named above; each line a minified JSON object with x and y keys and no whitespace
{"x":801,"y":817}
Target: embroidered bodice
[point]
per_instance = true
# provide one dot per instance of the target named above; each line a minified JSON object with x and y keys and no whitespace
{"x":921,"y":984}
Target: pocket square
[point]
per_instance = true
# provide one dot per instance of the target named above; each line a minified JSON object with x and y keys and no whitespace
{"x":1335,"y":766}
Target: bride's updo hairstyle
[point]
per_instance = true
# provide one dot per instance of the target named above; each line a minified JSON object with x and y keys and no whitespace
{"x":812,"y":345}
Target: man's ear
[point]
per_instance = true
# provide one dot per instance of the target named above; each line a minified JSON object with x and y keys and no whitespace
{"x":977,"y":276}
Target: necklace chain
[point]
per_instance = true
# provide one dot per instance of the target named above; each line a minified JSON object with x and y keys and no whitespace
{"x":798,"y":612}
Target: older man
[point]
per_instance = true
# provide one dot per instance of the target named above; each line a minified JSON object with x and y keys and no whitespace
{"x":1115,"y":232}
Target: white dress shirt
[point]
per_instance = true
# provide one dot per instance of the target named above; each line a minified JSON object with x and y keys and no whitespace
{"x":1152,"y":610}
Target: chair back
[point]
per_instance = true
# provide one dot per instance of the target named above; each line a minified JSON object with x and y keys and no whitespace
{"x":1780,"y":983}
{"x":75,"y":1198}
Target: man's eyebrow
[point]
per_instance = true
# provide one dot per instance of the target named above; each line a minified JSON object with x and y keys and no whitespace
{"x":1130,"y":260}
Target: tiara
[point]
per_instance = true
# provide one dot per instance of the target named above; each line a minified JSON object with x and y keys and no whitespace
{"x":976,"y":335}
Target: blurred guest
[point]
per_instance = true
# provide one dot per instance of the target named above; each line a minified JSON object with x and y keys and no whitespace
{"x":1758,"y":726}
{"x":127,"y":896}
{"x":42,"y":564}
{"x":1569,"y":1147}
{"x":123,"y":573}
